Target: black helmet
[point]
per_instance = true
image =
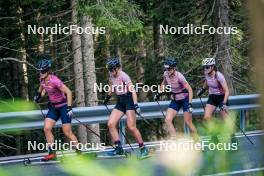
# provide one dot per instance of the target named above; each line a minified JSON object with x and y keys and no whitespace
{"x":170,"y":63}
{"x":112,"y":63}
{"x":44,"y":64}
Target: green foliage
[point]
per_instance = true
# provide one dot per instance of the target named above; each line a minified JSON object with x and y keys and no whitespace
{"x":118,"y":16}
{"x":128,"y":23}
{"x":16,"y":106}
{"x":83,"y":165}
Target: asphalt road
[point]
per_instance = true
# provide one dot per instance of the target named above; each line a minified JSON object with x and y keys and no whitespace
{"x":249,"y":159}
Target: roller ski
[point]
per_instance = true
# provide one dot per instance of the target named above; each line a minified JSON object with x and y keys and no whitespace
{"x":48,"y":159}
{"x":144,"y":153}
{"x":117,"y":152}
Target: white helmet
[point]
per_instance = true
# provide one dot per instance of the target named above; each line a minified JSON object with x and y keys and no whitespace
{"x":208,"y":61}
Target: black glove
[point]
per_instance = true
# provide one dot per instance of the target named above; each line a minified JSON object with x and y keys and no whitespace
{"x":37,"y":97}
{"x":106,"y":100}
{"x":200,"y":92}
{"x":190,"y":108}
{"x":137,"y":109}
{"x":69,"y":111}
{"x":157,"y":96}
{"x":223,"y":106}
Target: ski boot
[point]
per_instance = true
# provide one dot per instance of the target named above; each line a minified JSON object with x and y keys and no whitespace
{"x":118,"y":150}
{"x":50,"y":157}
{"x":144,"y":153}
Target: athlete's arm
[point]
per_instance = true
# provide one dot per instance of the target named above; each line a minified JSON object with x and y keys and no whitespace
{"x":40,"y":89}
{"x":162,"y":86}
{"x":39,"y":94}
{"x":133,"y":91}
{"x":110,"y":89}
{"x":43,"y":92}
{"x":203,"y":89}
{"x":109,"y":94}
{"x":188,"y":87}
{"x":204,"y":84}
{"x":226,"y":90}
{"x":68,"y":94}
{"x":160,"y":90}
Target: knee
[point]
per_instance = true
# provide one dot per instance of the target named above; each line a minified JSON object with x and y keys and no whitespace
{"x":168,"y":121}
{"x":131,"y":128}
{"x":110,"y":125}
{"x":188,"y":121}
{"x":207,"y":117}
{"x":67,"y":133}
{"x":47,"y":130}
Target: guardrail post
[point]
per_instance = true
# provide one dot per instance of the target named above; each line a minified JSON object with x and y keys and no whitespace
{"x":242,"y":119}
{"x":122,"y":128}
{"x":186,"y":129}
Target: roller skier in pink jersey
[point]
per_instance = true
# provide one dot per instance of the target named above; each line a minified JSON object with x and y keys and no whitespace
{"x":181,"y":96}
{"x":122,"y":86}
{"x":60,"y":102}
{"x":218,"y":92}
{"x":218,"y":89}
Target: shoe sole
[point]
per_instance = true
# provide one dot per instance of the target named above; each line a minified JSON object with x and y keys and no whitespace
{"x":111,"y":157}
{"x":28,"y":162}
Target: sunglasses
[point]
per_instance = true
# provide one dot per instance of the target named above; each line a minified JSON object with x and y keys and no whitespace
{"x":167,"y":68}
{"x":111,"y":70}
{"x":206,"y":67}
{"x":44,"y":71}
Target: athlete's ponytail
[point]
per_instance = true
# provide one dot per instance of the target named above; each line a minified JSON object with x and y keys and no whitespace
{"x":215,"y":68}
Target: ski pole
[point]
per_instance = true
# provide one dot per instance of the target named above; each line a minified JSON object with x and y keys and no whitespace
{"x":244,"y":133}
{"x":202,"y":102}
{"x":121,"y":130}
{"x":43,"y":115}
{"x":161,"y":109}
{"x":233,"y":122}
{"x":147,"y":122}
{"x":241,"y":130}
{"x":90,"y":129}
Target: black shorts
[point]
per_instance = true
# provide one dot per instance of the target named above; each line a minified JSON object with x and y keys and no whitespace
{"x":177,"y":104}
{"x":216,"y":100}
{"x":125,"y":102}
{"x":60,"y":112}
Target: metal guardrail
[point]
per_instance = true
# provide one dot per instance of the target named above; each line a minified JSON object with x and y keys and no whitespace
{"x":99,"y":114}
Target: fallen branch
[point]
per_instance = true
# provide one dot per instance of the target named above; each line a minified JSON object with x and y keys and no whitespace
{"x":17,"y":60}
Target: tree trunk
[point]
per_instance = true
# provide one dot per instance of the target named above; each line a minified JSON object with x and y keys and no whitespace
{"x":22,"y":69}
{"x":23,"y":56}
{"x":52,"y":46}
{"x":158,"y":37}
{"x":222,"y":42}
{"x":78,"y":71}
{"x":256,"y":15}
{"x":15,"y":80}
{"x":158,"y":52}
{"x":142,"y":96}
{"x":89,"y":73}
{"x":41,"y":45}
{"x":107,"y":44}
